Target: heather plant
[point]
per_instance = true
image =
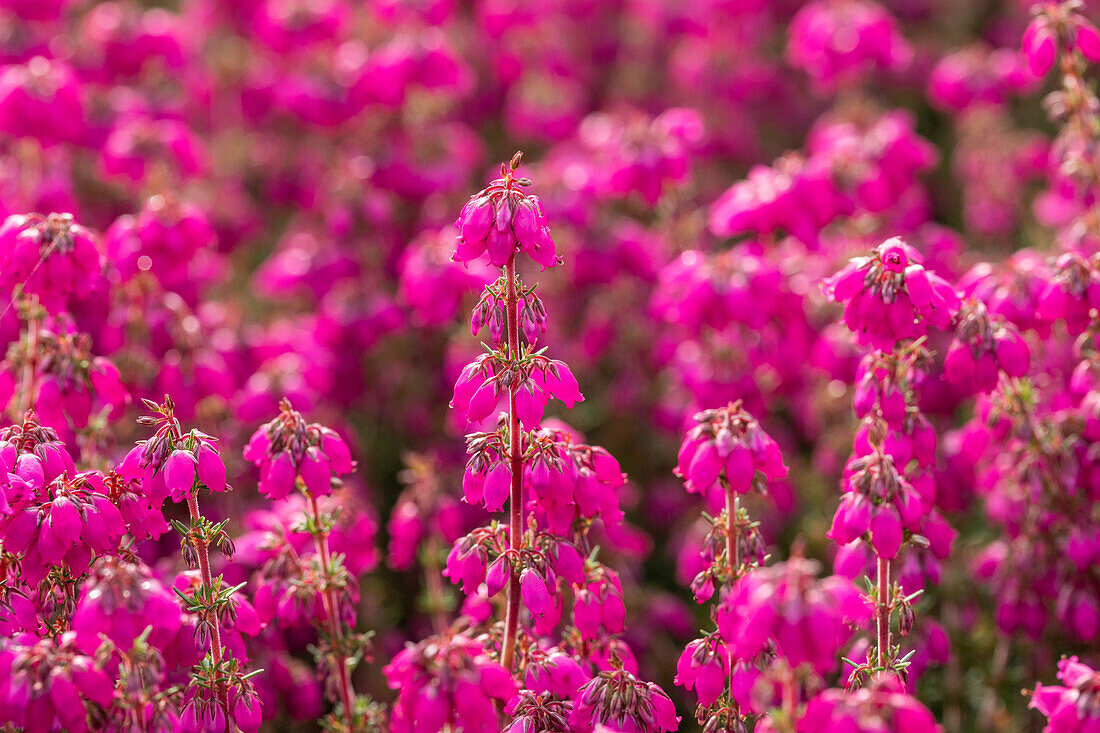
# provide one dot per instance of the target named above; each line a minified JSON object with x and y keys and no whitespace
{"x":294,"y":455}
{"x":556,"y":488}
{"x":179,"y":465}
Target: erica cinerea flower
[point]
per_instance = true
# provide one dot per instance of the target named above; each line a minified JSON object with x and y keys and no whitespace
{"x":1058,"y":28}
{"x":762,"y":615}
{"x":895,"y":446}
{"x":287,"y":450}
{"x":50,"y":684}
{"x":51,"y":257}
{"x":728,"y":444}
{"x":293,"y":454}
{"x":890,"y":296}
{"x":808,"y":619}
{"x":179,"y":465}
{"x":502,"y":220}
{"x":503,"y":215}
{"x":616,"y":701}
{"x":882,"y":705}
{"x":839,"y":41}
{"x":41,"y":99}
{"x":1074,"y":706}
{"x":320,"y":151}
{"x":63,"y":523}
{"x":985,"y":346}
{"x":556,"y":487}
{"x":447,"y":681}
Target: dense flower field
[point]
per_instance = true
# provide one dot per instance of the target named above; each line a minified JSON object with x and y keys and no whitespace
{"x":759,"y":392}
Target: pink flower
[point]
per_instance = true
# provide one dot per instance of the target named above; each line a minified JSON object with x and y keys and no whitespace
{"x":977,"y":75}
{"x":704,"y":666}
{"x":883,"y":705}
{"x":1071,"y":708}
{"x":555,"y":671}
{"x":48,"y":681}
{"x":634,"y":154}
{"x":879,"y":500}
{"x":52,"y":256}
{"x":730,"y":443}
{"x":41,"y":99}
{"x":618,"y":701}
{"x":1058,"y":28}
{"x":179,"y":473}
{"x":174,"y":241}
{"x":890,"y":296}
{"x":983,"y":347}
{"x":287,"y":448}
{"x":1070,"y":292}
{"x":836,"y":42}
{"x":63,"y":525}
{"x":447,"y":681}
{"x":503,"y":220}
{"x":810,"y":619}
{"x":536,"y":596}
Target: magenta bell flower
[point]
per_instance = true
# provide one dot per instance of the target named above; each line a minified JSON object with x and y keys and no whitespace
{"x":704,"y":666}
{"x":41,"y":99}
{"x":287,"y":448}
{"x":478,"y":389}
{"x":57,"y":259}
{"x":983,"y":347}
{"x":890,"y":296}
{"x":809,"y":619}
{"x":66,"y":523}
{"x":1057,"y":27}
{"x":555,"y":671}
{"x":617,"y":701}
{"x":728,"y":443}
{"x":447,"y":681}
{"x":503,"y":220}
{"x":882,"y":706}
{"x":1073,"y":707}
{"x":177,"y":473}
{"x":46,"y":682}
{"x":838,"y":41}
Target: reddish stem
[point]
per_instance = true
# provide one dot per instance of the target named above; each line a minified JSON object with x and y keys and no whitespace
{"x":30,"y":367}
{"x":1080,"y":97}
{"x":882,"y":611}
{"x":733,"y":529}
{"x":511,"y":624}
{"x":332,"y":613}
{"x":434,"y":580}
{"x":202,"y":549}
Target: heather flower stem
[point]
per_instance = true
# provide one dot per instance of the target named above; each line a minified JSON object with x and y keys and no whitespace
{"x":30,"y":367}
{"x":882,"y":611}
{"x":511,"y":624}
{"x":332,"y":611}
{"x":202,"y":549}
{"x":1081,"y":116}
{"x":433,"y":578}
{"x":733,"y":529}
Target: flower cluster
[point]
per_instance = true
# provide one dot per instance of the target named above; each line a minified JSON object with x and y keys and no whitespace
{"x":1074,"y":706}
{"x":836,"y":42}
{"x":807,"y":618}
{"x":890,"y":295}
{"x":502,"y":220}
{"x":728,"y":444}
{"x":447,"y":681}
{"x":288,"y":450}
{"x":882,"y":705}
